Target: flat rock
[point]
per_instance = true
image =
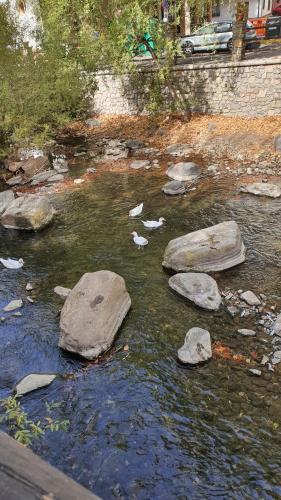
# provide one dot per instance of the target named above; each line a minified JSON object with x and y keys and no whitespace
{"x":136,"y":164}
{"x":255,"y":372}
{"x":250,"y":298}
{"x":199,"y":288}
{"x":277,"y":326}
{"x":62,"y":292}
{"x":56,"y":178}
{"x":247,"y":333}
{"x":184,"y":171}
{"x":93,"y":312}
{"x":29,"y":212}
{"x":232,"y":310}
{"x":15,"y":181}
{"x":174,"y":188}
{"x":178,"y":149}
{"x":262,"y":189}
{"x":34,"y":381}
{"x":212,"y":249}
{"x":197,"y":347}
{"x":13,"y":305}
{"x":42,"y":177}
{"x":6,"y":197}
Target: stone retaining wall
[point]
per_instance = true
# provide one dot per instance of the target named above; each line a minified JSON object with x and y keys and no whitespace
{"x":249,"y":88}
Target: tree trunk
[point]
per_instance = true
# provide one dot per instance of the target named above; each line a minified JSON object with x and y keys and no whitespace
{"x":239,"y":30}
{"x":185,"y":18}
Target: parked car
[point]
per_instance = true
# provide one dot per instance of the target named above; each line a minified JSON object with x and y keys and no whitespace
{"x":213,"y":36}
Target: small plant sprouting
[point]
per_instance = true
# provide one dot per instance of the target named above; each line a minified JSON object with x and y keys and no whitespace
{"x":25,"y":430}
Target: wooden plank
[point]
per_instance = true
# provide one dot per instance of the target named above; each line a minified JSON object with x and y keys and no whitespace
{"x":24,"y":476}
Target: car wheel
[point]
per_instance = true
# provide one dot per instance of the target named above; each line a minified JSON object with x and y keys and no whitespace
{"x":188,"y":49}
{"x":230,"y":45}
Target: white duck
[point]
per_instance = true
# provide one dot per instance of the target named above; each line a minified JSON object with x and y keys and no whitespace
{"x":153,"y":224}
{"x":136,"y":211}
{"x":139,"y":240}
{"x":12,"y":263}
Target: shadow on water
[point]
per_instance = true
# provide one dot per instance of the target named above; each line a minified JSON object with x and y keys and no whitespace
{"x":142,"y":426}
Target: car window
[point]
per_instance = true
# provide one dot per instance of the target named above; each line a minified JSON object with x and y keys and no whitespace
{"x":206,"y":30}
{"x":223,"y":28}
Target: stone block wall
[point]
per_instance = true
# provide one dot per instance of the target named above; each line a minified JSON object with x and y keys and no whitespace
{"x":250,"y":88}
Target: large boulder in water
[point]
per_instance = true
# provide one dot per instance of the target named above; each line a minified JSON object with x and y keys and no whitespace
{"x":212,"y":249}
{"x":199,"y":288}
{"x":262,"y":189}
{"x":197,"y":347}
{"x":184,"y":171}
{"x":29,"y":212}
{"x":93,"y":312}
{"x":6,"y":197}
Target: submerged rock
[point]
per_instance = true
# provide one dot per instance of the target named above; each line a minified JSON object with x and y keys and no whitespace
{"x":62,"y":292}
{"x":262,"y":189}
{"x":29,"y":212}
{"x":250,"y":298}
{"x":93,"y":312}
{"x":34,"y":381}
{"x":247,"y":333}
{"x":212,"y":249}
{"x":197,"y":347}
{"x":13,"y":305}
{"x":6,"y":197}
{"x":178,"y":149}
{"x":173,"y":188}
{"x":198,"y":288}
{"x":183,"y":171}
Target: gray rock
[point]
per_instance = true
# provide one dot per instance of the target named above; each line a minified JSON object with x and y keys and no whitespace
{"x":173,"y":188}
{"x":178,"y":149}
{"x":136,"y":164}
{"x":62,"y":292}
{"x":6,"y":197}
{"x":264,"y":360}
{"x":197,"y":347}
{"x":29,"y":212}
{"x":41,"y":177}
{"x":60,"y":165}
{"x":13,"y":305}
{"x":32,"y":166}
{"x":212,"y":249}
{"x":33,"y":381}
{"x":276,"y":359}
{"x":135,"y":144}
{"x":15,"y":181}
{"x":183,"y":171}
{"x":115,"y":150}
{"x":93,"y":312}
{"x":255,"y":372}
{"x":232,"y":310}
{"x":56,"y":178}
{"x":250,"y":298}
{"x":247,"y":333}
{"x":198,"y":288}
{"x":262,"y":189}
{"x":277,"y":326}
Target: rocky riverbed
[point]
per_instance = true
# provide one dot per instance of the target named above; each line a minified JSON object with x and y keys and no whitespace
{"x":141,"y":424}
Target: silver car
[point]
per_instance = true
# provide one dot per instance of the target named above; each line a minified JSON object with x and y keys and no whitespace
{"x":216,"y":36}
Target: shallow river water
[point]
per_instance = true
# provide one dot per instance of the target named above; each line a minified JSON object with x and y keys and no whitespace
{"x":141,"y":425}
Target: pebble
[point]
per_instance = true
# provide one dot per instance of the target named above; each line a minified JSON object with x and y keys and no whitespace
{"x":250,"y":298}
{"x":256,"y":372}
{"x":30,"y":299}
{"x":232,"y":310}
{"x":78,"y":181}
{"x":29,"y":287}
{"x":264,"y":360}
{"x":276,"y":359}
{"x":247,"y":333}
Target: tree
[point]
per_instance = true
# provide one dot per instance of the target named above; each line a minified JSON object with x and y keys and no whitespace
{"x":185,"y":20}
{"x":239,"y":30}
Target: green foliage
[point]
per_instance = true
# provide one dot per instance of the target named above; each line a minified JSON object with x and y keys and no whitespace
{"x":25,"y":430}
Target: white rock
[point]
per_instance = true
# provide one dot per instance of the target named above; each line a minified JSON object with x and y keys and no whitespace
{"x":276,"y":359}
{"x":33,"y":381}
{"x":62,"y":291}
{"x":198,"y":288}
{"x":197,"y":347}
{"x":256,"y":372}
{"x":277,"y":326}
{"x":29,"y":287}
{"x":250,"y":298}
{"x":13,"y":305}
{"x":247,"y":333}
